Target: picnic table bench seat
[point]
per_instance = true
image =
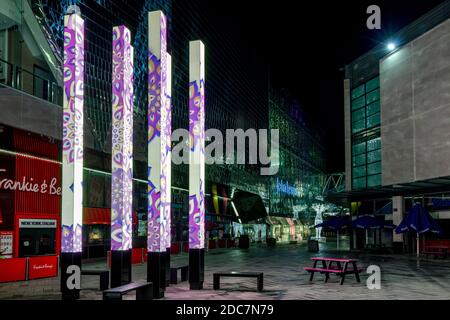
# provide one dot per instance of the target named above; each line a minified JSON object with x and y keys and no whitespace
{"x":328,"y":268}
{"x":257,"y":275}
{"x":143,"y":291}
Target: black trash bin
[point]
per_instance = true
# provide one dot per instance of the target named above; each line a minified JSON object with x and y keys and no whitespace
{"x":313,"y":245}
{"x":271,"y":242}
{"x":244,"y":242}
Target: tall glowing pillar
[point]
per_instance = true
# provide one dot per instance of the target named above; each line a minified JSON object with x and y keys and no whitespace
{"x":196,"y":164}
{"x":72,"y":160}
{"x":122,"y":156}
{"x":158,"y":153}
{"x":166,"y":163}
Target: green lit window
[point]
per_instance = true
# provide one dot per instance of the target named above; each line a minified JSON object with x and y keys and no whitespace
{"x":374,"y":156}
{"x":373,"y":120}
{"x":358,"y":115}
{"x":374,"y":144}
{"x":359,"y":172}
{"x":359,"y":126}
{"x":366,"y":115}
{"x":359,"y":103}
{"x":373,"y":84}
{"x":373,"y":181}
{"x":374,"y":168}
{"x":358,"y":92}
{"x":359,"y":183}
{"x":359,"y":160}
{"x":359,"y":148}
{"x":373,"y":108}
{"x":373,"y":96}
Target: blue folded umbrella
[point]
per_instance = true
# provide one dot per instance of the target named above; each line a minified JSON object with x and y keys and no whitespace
{"x":336,"y":223}
{"x":418,"y":220}
{"x":369,"y":222}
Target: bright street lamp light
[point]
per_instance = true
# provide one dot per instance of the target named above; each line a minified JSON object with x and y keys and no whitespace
{"x":391,"y":46}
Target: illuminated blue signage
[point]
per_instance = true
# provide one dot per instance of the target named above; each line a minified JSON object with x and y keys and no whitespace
{"x":284,"y":187}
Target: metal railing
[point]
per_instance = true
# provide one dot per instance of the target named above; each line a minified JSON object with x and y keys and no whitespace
{"x":21,"y":79}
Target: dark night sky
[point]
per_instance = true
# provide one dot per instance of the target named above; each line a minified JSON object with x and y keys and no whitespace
{"x":304,"y":44}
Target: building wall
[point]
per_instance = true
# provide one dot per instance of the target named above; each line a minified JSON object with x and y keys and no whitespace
{"x":415,"y":109}
{"x":348,"y":136}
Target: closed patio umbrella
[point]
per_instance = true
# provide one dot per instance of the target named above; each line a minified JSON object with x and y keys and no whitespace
{"x":336,"y":223}
{"x":419,"y":221}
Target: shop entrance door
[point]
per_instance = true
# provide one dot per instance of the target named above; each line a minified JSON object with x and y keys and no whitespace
{"x":37,"y":237}
{"x":34,"y":242}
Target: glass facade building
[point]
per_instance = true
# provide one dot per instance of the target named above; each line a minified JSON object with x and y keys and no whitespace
{"x":301,"y":175}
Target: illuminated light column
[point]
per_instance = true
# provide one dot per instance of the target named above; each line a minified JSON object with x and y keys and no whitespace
{"x":72,"y":159}
{"x":166,"y":163}
{"x":196,"y":164}
{"x":122,"y":156}
{"x":157,"y":138}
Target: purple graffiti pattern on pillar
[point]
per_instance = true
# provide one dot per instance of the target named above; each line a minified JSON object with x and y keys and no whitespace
{"x":157,"y":221}
{"x":166,"y":148}
{"x":122,"y":140}
{"x":72,"y":145}
{"x":196,"y":140}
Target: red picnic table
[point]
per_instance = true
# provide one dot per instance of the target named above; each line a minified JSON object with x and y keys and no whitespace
{"x":338,"y":266}
{"x":436,"y":251}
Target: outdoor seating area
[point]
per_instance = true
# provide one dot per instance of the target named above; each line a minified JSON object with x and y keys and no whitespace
{"x":436,"y":251}
{"x":337,"y":266}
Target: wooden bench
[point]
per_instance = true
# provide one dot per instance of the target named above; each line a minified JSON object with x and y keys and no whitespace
{"x":174,"y":274}
{"x":143,"y":291}
{"x":257,"y":275}
{"x":104,"y":277}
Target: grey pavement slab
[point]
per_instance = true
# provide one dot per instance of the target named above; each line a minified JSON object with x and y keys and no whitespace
{"x":402,"y":277}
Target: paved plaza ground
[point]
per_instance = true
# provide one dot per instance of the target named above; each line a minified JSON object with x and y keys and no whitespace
{"x":402,"y":277}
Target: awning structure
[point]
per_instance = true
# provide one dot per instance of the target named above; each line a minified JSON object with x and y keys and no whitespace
{"x":428,"y":186}
{"x":249,"y":206}
{"x":101,"y":216}
{"x":278,"y":221}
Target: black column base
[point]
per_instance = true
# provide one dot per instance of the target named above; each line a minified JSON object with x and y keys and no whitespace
{"x":70,"y":263}
{"x":167,"y":267}
{"x":196,"y":268}
{"x":156,"y":272}
{"x":120,"y":267}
